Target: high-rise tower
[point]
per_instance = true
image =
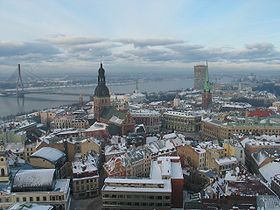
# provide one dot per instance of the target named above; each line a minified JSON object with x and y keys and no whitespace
{"x":199,"y":76}
{"x":206,"y":95}
{"x":101,"y":94}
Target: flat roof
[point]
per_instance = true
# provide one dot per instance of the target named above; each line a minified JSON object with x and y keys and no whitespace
{"x":165,"y":185}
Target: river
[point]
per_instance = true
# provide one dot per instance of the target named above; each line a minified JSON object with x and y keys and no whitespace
{"x":12,"y":105}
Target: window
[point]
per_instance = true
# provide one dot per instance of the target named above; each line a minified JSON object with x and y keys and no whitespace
{"x":2,"y":172}
{"x":44,"y":198}
{"x":17,"y":199}
{"x":37,"y":198}
{"x":30,"y":198}
{"x":24,"y":199}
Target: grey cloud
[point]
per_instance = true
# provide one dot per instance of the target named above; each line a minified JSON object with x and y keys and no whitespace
{"x":62,"y":48}
{"x":70,"y":40}
{"x":149,"y":42}
{"x":24,"y":48}
{"x":258,"y":52}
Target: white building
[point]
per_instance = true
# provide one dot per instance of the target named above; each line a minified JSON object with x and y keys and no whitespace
{"x":37,"y":186}
{"x":162,"y":191}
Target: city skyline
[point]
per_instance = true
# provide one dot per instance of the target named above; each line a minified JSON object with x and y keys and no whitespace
{"x":71,"y":36}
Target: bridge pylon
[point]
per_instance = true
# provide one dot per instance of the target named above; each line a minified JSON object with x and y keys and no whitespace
{"x":20,"y":88}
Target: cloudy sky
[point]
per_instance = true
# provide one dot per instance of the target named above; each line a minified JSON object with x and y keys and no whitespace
{"x":65,"y":35}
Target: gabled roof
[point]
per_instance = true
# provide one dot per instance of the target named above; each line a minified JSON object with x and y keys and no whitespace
{"x":109,"y":112}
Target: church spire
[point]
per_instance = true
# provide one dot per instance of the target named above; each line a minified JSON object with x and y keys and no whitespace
{"x":101,"y":75}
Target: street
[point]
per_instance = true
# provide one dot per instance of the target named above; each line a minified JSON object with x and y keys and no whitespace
{"x":87,"y":204}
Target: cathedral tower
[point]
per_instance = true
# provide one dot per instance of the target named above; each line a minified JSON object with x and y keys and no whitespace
{"x":101,"y":94}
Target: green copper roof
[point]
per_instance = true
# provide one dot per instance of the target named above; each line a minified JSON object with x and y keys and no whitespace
{"x":110,"y":111}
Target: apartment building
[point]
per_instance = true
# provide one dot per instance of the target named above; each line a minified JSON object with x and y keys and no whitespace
{"x":181,"y":121}
{"x":85,"y":177}
{"x":162,"y":191}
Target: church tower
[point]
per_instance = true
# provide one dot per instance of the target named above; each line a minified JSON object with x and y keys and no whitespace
{"x":101,"y":97}
{"x":206,"y":95}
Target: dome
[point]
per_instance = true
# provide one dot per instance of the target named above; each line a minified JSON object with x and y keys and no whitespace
{"x":101,"y":91}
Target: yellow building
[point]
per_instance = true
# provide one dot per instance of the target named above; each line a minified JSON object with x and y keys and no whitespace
{"x":213,"y":152}
{"x":89,"y":145}
{"x":276,"y":104}
{"x":4,"y":168}
{"x":50,"y":158}
{"x":196,"y":157}
{"x":28,"y":150}
{"x":201,"y":157}
{"x":216,"y":129}
{"x":47,"y":116}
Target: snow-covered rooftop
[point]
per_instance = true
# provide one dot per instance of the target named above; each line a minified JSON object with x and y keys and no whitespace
{"x":169,"y":166}
{"x":269,"y":170}
{"x":97,"y":126}
{"x":144,"y":113}
{"x":34,"y":178}
{"x":114,"y":119}
{"x":86,"y":164}
{"x":137,"y":185}
{"x":48,"y":153}
{"x":226,"y":160}
{"x":30,"y":206}
{"x":182,"y":114}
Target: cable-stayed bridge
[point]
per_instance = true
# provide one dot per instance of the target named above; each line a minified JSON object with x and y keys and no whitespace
{"x":19,"y":85}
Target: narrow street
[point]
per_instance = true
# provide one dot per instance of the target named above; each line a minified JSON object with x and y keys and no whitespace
{"x":87,"y":204}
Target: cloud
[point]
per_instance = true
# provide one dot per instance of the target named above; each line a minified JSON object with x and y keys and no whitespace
{"x":61,"y":39}
{"x":149,"y":42}
{"x":25,"y":48}
{"x":257,"y":52}
{"x":66,"y":50}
